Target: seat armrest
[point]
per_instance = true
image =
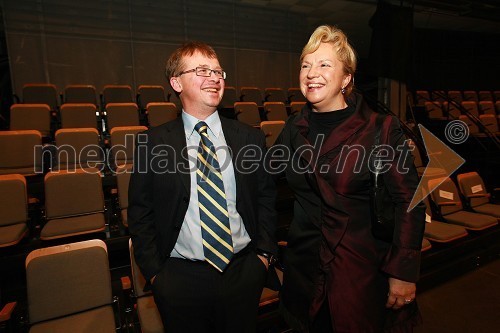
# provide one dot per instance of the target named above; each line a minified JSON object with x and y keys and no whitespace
{"x":479,"y":195}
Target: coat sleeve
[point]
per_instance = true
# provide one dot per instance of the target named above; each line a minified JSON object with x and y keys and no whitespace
{"x":141,"y":219}
{"x":403,"y":258}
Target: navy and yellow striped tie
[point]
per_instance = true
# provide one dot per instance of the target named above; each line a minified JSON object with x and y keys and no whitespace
{"x":214,"y":218}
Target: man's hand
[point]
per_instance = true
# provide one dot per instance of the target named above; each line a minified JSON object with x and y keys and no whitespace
{"x":264,"y":260}
{"x":400,"y":293}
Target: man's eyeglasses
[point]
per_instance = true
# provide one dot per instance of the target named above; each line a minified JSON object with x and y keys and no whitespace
{"x":206,"y":72}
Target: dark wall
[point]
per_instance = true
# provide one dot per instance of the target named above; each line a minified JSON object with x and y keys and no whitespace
{"x":452,"y":60}
{"x":127,"y":41}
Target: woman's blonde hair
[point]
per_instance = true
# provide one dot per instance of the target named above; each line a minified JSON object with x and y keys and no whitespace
{"x":338,"y":40}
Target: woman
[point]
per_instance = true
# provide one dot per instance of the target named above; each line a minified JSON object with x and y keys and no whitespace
{"x":338,"y":276}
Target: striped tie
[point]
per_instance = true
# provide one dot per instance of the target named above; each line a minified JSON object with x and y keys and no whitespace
{"x":214,"y":218}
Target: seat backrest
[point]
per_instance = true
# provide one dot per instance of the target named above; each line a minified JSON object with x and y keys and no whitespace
{"x":121,"y":114}
{"x":434,"y":110}
{"x":438,"y":95}
{"x":422,"y":96}
{"x":247,"y":112}
{"x":452,"y":110}
{"x":455,"y":95}
{"x":473,"y":129}
{"x":30,"y":117}
{"x":471,"y":184}
{"x":40,"y":93}
{"x":73,"y":193}
{"x":295,"y":95}
{"x":80,"y":93}
{"x":490,"y":122}
{"x":150,"y":94}
{"x":78,"y":115}
{"x":67,"y":279}
{"x":471,"y":107}
{"x":496,"y":95}
{"x":116,"y":93}
{"x":275,"y":111}
{"x":229,"y":98}
{"x":13,"y":199}
{"x":123,"y":144}
{"x":78,"y":147}
{"x":445,"y":193}
{"x":251,"y":94}
{"x":275,"y":95}
{"x":123,"y":174}
{"x":485,"y":95}
{"x":272,"y":130}
{"x":20,"y":152}
{"x":487,"y":107}
{"x":160,"y":113}
{"x":296,"y":107}
{"x":470,"y":95}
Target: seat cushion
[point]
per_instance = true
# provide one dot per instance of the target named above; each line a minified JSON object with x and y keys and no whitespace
{"x":12,"y":234}
{"x":443,"y":232}
{"x":149,"y":316}
{"x":488,"y":209}
{"x":426,"y":245}
{"x":100,"y":320}
{"x":71,"y":226}
{"x":472,"y":221}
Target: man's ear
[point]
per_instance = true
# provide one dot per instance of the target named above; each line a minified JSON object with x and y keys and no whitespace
{"x":176,"y":85}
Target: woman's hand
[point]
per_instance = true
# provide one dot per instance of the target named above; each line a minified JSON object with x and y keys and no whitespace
{"x":400,"y":293}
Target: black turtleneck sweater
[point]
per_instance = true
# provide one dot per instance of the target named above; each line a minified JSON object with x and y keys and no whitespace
{"x":325,"y":122}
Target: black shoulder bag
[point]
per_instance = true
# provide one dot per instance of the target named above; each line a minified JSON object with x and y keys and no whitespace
{"x":382,"y":205}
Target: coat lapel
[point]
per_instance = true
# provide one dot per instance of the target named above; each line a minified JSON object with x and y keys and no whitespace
{"x":175,"y":136}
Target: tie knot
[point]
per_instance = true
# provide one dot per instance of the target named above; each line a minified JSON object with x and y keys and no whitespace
{"x":201,"y":127}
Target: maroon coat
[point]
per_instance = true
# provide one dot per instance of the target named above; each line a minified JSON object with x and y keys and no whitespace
{"x":332,"y":255}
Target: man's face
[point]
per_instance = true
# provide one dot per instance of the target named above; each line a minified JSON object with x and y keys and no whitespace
{"x":199,"y":94}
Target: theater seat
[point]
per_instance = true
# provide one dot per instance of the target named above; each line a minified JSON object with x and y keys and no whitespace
{"x":247,"y":112}
{"x":275,"y":111}
{"x":148,"y":314}
{"x":20,"y":152}
{"x":69,"y":289}
{"x":272,"y":130}
{"x":161,"y":113}
{"x":440,"y":232}
{"x":74,"y":204}
{"x":472,"y":188}
{"x":446,"y":197}
{"x":14,"y":208}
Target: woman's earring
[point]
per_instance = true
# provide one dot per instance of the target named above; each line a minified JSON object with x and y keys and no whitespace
{"x":342,"y":91}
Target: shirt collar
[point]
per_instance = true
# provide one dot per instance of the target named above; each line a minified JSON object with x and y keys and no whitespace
{"x":213,"y":122}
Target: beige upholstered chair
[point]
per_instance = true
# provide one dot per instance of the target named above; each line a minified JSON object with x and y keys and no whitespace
{"x":272,"y":130}
{"x":14,"y":208}
{"x":275,"y":111}
{"x":30,"y":117}
{"x":121,"y":114}
{"x":148,"y":314}
{"x":74,"y":204}
{"x":447,"y":199}
{"x":69,"y":289}
{"x":78,"y":115}
{"x":20,"y":152}
{"x":248,"y":113}
{"x":472,"y":188}
{"x":160,"y":113}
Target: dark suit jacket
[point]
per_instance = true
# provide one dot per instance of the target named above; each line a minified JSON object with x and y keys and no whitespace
{"x":160,"y":185}
{"x":332,"y":255}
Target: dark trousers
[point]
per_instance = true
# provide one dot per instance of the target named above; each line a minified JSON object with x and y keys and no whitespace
{"x":195,"y":297}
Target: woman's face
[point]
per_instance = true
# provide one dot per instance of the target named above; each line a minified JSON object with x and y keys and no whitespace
{"x":321,"y":79}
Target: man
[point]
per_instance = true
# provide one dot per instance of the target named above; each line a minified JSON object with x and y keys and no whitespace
{"x":201,"y":207}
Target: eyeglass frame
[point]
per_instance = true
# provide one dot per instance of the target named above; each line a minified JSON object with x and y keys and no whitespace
{"x":210,"y":71}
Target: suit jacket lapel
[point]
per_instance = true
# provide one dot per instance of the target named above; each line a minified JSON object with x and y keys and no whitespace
{"x":176,"y":138}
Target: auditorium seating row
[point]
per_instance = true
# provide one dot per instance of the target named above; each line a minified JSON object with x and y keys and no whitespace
{"x":69,"y":286}
{"x":422,"y":96}
{"x":446,"y":110}
{"x":74,"y":203}
{"x":46,"y":93}
{"x":81,"y":115}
